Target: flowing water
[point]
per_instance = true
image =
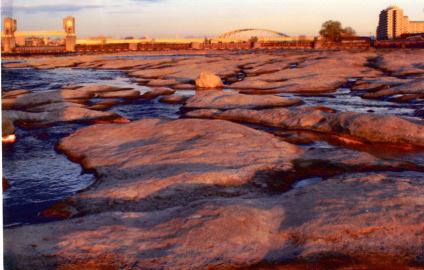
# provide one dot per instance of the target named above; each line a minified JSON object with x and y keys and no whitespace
{"x":40,"y":176}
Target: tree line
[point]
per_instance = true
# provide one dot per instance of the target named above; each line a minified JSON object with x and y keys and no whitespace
{"x":334,"y":31}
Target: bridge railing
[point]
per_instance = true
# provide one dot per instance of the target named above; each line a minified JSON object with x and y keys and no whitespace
{"x":398,"y":44}
{"x":286,"y":44}
{"x":155,"y":46}
{"x":39,"y":49}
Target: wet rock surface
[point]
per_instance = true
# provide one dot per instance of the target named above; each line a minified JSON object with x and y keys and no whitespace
{"x":231,"y":100}
{"x":335,"y":181}
{"x":279,"y":72}
{"x":184,"y":186}
{"x":174,"y":99}
{"x":301,"y":226}
{"x":65,"y":105}
{"x":160,"y":155}
{"x":163,"y":91}
{"x":366,"y":127}
{"x":7,"y":126}
{"x":64,"y":113}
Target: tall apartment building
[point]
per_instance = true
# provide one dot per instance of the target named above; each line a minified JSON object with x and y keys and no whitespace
{"x":392,"y":24}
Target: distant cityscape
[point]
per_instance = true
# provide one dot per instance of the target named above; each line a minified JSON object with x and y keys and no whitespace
{"x":393,"y":24}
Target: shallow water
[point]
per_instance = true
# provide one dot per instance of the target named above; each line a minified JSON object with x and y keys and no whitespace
{"x":40,"y":176}
{"x":346,"y":100}
{"x":53,"y":79}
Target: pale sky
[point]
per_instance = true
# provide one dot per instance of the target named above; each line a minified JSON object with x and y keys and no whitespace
{"x":182,"y":18}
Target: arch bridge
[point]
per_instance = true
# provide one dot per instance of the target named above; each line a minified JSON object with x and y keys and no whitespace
{"x":248,"y":33}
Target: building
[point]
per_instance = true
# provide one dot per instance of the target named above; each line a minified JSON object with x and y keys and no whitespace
{"x":34,"y":41}
{"x":393,"y":24}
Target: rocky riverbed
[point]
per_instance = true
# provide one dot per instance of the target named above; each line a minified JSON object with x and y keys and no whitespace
{"x":215,"y":160}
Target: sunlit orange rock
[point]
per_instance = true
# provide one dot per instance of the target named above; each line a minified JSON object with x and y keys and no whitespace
{"x":8,"y":129}
{"x":14,"y":93}
{"x":9,"y":138}
{"x":208,"y":80}
{"x":117,"y":120}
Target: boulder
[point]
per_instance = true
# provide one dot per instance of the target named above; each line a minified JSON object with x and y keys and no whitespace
{"x":208,"y":80}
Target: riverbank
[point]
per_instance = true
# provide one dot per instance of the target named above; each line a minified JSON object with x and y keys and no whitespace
{"x":302,"y":159}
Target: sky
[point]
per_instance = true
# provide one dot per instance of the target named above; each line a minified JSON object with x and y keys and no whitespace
{"x":200,"y":18}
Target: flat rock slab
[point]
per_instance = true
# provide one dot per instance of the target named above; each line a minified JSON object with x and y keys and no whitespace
{"x":317,"y":73}
{"x":162,"y":82}
{"x":363,"y":126}
{"x":14,"y":93}
{"x":413,"y":86}
{"x":372,"y":220}
{"x":61,"y":113}
{"x":81,"y":93}
{"x":402,"y":63}
{"x":156,"y":92}
{"x":225,"y":100}
{"x":129,"y":94}
{"x":154,"y":155}
{"x":184,"y":86}
{"x":174,"y":99}
{"x":184,"y":194}
{"x":65,"y":105}
{"x":7,"y":127}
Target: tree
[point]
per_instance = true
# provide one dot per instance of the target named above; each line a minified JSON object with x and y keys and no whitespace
{"x":254,"y":39}
{"x":349,"y":32}
{"x":333,"y":31}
